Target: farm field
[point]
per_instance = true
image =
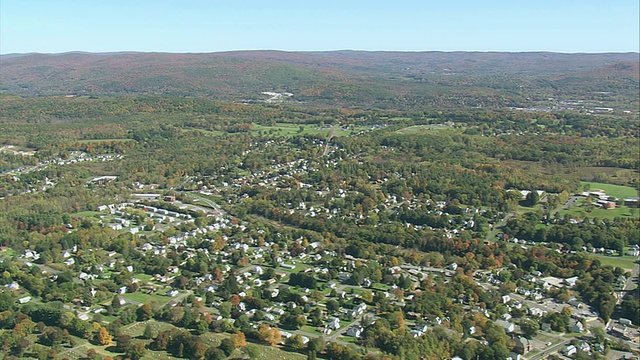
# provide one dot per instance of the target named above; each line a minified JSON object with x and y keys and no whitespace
{"x":618,"y":191}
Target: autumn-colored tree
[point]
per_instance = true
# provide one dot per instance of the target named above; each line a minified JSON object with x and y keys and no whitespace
{"x":104,"y":338}
{"x":239,"y":339}
{"x":235,"y":300}
{"x":269,"y":335}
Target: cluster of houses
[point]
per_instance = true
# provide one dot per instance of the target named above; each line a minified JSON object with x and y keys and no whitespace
{"x":609,"y":202}
{"x":46,"y":183}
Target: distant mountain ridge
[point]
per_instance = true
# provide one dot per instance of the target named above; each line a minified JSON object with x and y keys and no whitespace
{"x":342,"y":78}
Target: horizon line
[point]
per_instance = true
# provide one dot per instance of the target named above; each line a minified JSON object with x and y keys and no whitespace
{"x":312,"y":51}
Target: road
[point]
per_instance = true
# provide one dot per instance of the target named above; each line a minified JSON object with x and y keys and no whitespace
{"x":209,"y":202}
{"x":631,"y":283}
{"x":498,"y":225}
{"x":567,"y":204}
{"x":550,"y":350}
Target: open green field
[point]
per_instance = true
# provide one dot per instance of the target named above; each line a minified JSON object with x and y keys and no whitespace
{"x":206,"y":132}
{"x":103,"y":140}
{"x":625,"y":262}
{"x":143,"y":298}
{"x":85,"y":214}
{"x":289,"y":130}
{"x":612,"y":190}
{"x":423,"y":128}
{"x":143,"y":277}
{"x":622,"y":211}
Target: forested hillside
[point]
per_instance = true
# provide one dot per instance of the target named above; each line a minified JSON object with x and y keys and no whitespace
{"x":390,"y":80}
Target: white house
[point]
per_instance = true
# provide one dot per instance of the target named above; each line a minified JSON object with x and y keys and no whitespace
{"x":569,"y":350}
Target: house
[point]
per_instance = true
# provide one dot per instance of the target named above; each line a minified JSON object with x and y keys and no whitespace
{"x":506,"y":299}
{"x":419,"y":330}
{"x":521,"y":345}
{"x":571,"y":282}
{"x":569,"y":350}
{"x":507,"y":326}
{"x":584,"y":346}
{"x":355,"y":331}
{"x":576,"y":327}
{"x":24,"y":300}
{"x":13,"y":286}
{"x":536,"y":312}
{"x":514,"y":356}
{"x":334,"y":324}
{"x":624,"y":321}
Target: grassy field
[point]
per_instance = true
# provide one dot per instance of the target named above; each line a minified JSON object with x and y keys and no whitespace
{"x":143,"y":277}
{"x":85,"y":214}
{"x":289,"y":130}
{"x":612,"y":190}
{"x":600,"y":213}
{"x":103,"y":140}
{"x":423,"y":128}
{"x":143,"y":298}
{"x":625,"y":262}
{"x":206,"y":132}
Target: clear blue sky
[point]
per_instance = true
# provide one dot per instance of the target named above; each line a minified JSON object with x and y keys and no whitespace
{"x":53,"y":26}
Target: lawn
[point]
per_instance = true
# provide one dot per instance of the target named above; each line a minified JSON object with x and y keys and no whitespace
{"x":103,"y":140}
{"x":206,"y":132}
{"x":8,"y":252}
{"x":625,"y":262}
{"x":380,"y":286}
{"x":348,"y":339}
{"x":618,"y":191}
{"x":290,"y":130}
{"x":143,"y":277}
{"x":577,"y":211}
{"x":311,"y":330}
{"x":423,"y":128}
{"x":85,"y":214}
{"x":143,"y":298}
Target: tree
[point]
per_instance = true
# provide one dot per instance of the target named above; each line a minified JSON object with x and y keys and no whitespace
{"x":333,"y":305}
{"x":599,"y":334}
{"x":316,"y":344}
{"x":150,"y":331}
{"x":295,"y":342}
{"x":136,"y":351}
{"x":532,"y":198}
{"x":239,"y":339}
{"x":144,"y":312}
{"x":269,"y":335}
{"x":104,"y":338}
{"x":123,"y":342}
{"x":227,"y":346}
{"x":214,"y":353}
{"x":225,"y":309}
{"x":529,"y":328}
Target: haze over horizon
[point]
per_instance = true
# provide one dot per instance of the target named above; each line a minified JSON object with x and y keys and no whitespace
{"x":37,"y":26}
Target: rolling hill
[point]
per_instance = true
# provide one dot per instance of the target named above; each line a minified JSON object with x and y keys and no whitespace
{"x":337,"y":78}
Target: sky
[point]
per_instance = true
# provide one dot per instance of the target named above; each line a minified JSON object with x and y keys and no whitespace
{"x":570,"y":26}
